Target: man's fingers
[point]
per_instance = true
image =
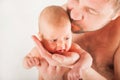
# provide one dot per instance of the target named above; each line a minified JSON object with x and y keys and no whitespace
{"x":68,"y":60}
{"x":64,"y":60}
{"x":73,"y":57}
{"x":38,"y":44}
{"x":43,"y":52}
{"x":73,"y":76}
{"x":58,"y":58}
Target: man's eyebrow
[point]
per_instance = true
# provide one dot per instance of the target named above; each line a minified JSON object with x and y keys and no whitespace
{"x":95,"y":6}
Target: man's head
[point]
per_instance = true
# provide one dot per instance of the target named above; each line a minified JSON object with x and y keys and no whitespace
{"x":55,"y":29}
{"x":92,"y":15}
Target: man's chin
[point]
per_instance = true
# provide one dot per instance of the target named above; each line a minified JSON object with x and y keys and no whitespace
{"x":76,"y":28}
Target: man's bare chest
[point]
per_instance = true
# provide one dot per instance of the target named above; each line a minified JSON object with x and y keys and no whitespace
{"x":103,"y":57}
{"x":102,"y":49}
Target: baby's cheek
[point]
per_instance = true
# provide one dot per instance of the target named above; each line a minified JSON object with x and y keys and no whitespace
{"x":51,"y":48}
{"x":67,"y":47}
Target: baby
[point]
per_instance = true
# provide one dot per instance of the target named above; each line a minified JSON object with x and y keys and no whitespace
{"x":56,"y":37}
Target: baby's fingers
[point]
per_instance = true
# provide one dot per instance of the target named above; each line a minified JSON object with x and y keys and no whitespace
{"x":30,"y":62}
{"x":36,"y":60}
{"x":73,"y":76}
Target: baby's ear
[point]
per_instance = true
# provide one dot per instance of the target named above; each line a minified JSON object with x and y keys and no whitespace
{"x":40,"y":36}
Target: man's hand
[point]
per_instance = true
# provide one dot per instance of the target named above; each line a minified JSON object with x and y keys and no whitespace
{"x":74,"y":74}
{"x":44,"y":53}
{"x":55,"y":59}
{"x":67,"y":60}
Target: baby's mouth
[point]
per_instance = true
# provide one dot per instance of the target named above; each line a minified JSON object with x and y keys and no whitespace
{"x":59,"y":51}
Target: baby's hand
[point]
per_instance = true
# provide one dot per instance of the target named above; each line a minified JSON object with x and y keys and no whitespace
{"x":74,"y":74}
{"x":29,"y":62}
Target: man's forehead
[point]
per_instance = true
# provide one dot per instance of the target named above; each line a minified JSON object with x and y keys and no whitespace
{"x":98,"y":4}
{"x":98,"y":1}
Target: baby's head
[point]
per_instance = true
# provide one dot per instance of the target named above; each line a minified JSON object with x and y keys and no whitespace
{"x":55,"y":29}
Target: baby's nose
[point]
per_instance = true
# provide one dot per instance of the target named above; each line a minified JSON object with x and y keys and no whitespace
{"x":61,"y":47}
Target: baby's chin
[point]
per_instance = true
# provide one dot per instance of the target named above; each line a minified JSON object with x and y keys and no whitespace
{"x":61,"y":52}
{"x":56,"y":52}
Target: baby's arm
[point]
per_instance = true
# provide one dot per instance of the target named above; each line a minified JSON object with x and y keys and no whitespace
{"x":84,"y":62}
{"x":31,"y":59}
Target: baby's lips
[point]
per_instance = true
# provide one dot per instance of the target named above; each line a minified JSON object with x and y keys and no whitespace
{"x":60,"y":51}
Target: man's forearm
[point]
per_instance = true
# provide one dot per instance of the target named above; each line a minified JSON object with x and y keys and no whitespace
{"x":84,"y":62}
{"x":91,"y":74}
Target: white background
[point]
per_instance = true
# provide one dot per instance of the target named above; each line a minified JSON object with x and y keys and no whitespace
{"x":18,"y":21}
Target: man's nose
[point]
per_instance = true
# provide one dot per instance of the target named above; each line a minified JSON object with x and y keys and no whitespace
{"x":76,"y":13}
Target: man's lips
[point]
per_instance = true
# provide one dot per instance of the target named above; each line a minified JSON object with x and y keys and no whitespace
{"x":76,"y":28}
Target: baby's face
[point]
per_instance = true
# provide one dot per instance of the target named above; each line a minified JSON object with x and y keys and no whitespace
{"x":57,"y":40}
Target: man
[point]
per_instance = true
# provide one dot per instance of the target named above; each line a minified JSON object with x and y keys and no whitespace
{"x":99,"y":21}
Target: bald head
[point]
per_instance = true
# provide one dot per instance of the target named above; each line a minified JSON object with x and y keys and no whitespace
{"x":54,"y":16}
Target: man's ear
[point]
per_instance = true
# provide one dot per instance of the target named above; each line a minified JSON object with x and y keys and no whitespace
{"x":40,"y":36}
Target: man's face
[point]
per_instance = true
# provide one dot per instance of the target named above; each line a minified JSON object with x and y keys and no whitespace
{"x":89,"y":15}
